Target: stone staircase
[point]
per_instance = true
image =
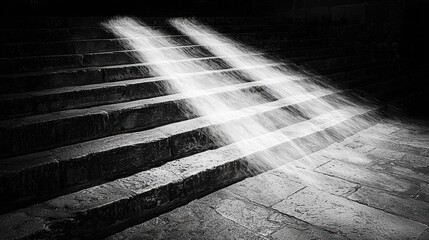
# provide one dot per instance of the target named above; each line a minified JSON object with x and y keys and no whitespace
{"x":91,"y":142}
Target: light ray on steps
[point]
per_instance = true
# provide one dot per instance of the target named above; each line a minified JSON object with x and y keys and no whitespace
{"x":236,"y":55}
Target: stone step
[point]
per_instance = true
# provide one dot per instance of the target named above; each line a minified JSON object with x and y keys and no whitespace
{"x":42,"y":175}
{"x":86,"y":33}
{"x":24,"y":82}
{"x":45,"y":174}
{"x":38,"y":132}
{"x":108,"y":45}
{"x":51,"y":100}
{"x":57,"y":62}
{"x":93,"y":211}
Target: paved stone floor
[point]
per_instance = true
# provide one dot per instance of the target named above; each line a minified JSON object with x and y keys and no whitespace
{"x":373,"y":185}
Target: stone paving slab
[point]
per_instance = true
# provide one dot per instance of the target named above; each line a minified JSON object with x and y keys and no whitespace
{"x":354,"y":220}
{"x":382,"y":181}
{"x":319,"y":196}
{"x":409,"y":208}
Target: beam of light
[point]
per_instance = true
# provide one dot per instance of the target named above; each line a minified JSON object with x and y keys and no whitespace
{"x":258,"y":132}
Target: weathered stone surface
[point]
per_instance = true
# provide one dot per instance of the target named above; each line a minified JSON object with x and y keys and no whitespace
{"x":91,"y":198}
{"x":354,"y":220}
{"x":424,"y":235}
{"x":386,"y":144}
{"x":303,"y":233}
{"x":347,"y":153}
{"x":385,"y":129}
{"x":406,"y":173}
{"x":110,"y":58}
{"x":265,"y":189}
{"x":310,"y":161}
{"x":387,"y":154}
{"x":44,"y":131}
{"x":26,"y":176}
{"x":406,"y":207}
{"x":30,"y":82}
{"x":423,"y":195}
{"x":310,"y":178}
{"x":15,"y":104}
{"x":258,"y":218}
{"x":193,"y":221}
{"x":248,"y":215}
{"x":125,"y":72}
{"x":19,"y":225}
{"x":369,"y":178}
{"x":26,"y":64}
{"x":419,"y":163}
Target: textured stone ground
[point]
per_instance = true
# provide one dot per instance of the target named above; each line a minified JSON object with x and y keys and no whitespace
{"x":373,"y":185}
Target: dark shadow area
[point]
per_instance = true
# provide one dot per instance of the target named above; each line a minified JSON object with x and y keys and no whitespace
{"x":379,"y":28}
{"x":414,"y":52}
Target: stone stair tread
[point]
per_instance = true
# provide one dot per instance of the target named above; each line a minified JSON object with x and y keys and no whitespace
{"x":137,"y":191}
